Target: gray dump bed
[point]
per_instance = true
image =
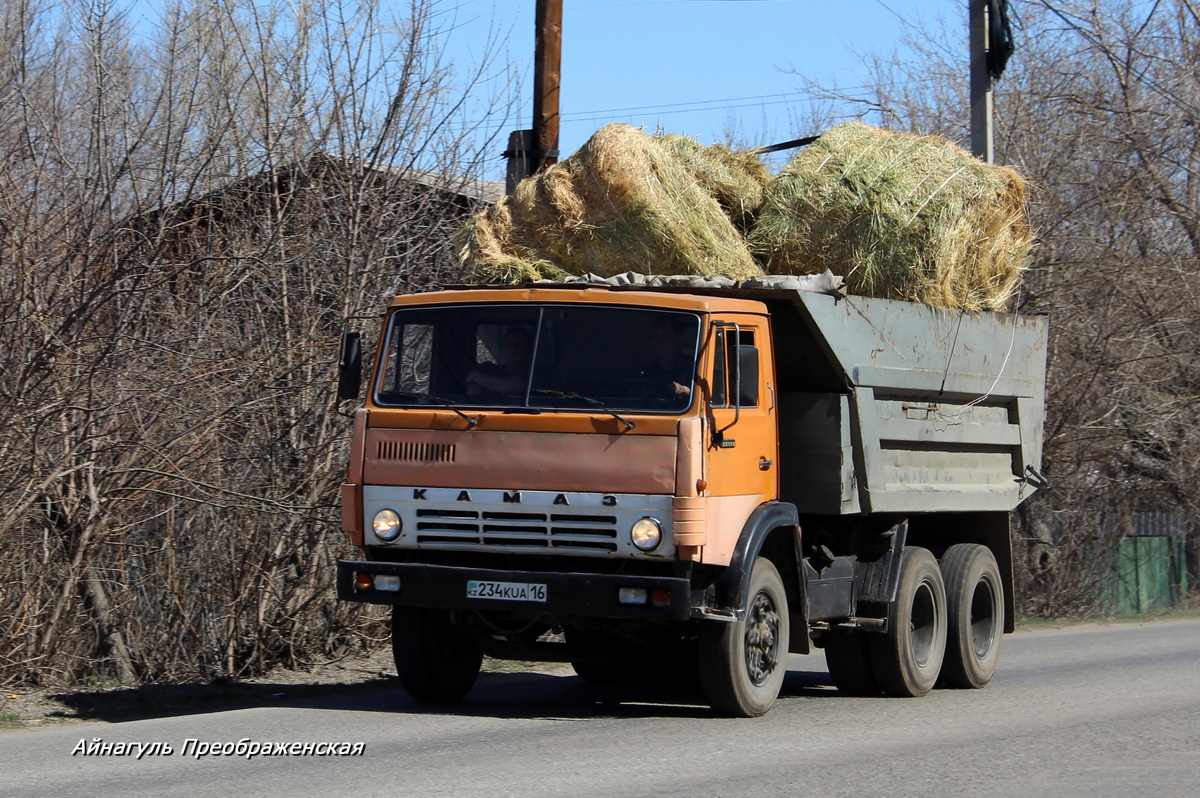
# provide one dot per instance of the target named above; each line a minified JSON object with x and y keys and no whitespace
{"x":889,"y":406}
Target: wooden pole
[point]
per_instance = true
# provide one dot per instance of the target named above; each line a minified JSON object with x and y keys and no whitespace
{"x":547,"y":77}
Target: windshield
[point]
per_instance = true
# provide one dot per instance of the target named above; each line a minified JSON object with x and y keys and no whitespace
{"x":541,"y":357}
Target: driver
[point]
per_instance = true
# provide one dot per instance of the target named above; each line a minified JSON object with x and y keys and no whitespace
{"x":508,"y":377}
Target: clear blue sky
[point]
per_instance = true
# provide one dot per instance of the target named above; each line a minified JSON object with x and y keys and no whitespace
{"x":700,"y":67}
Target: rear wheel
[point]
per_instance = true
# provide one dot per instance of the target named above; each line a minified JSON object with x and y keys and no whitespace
{"x":908,"y":658}
{"x":742,"y":664}
{"x":848,"y":655}
{"x":975,"y":609}
{"x":437,"y":661}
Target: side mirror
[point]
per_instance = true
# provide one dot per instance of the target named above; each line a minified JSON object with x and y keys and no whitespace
{"x":743,"y":388}
{"x":349,"y":367}
{"x":747,"y":375}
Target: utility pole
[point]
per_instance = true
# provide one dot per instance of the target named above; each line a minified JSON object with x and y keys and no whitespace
{"x":981,"y":81}
{"x":547,"y":78}
{"x":531,"y":150}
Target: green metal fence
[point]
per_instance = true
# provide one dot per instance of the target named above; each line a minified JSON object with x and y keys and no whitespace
{"x":1150,"y":574}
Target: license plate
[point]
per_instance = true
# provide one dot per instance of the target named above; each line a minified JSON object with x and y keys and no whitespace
{"x":506,"y":591}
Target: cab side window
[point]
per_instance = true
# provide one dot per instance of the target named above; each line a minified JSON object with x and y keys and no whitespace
{"x":737,"y":356}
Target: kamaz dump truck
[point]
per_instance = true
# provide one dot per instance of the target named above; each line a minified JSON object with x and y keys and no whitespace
{"x":672,"y":478}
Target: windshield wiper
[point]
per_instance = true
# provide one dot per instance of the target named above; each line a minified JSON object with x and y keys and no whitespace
{"x":589,"y":400}
{"x":446,"y":403}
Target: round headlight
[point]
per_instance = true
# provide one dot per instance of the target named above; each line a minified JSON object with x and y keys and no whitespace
{"x":646,"y":533}
{"x":387,"y":525}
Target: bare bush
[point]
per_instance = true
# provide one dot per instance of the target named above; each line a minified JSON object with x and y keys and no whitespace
{"x":186,"y":225}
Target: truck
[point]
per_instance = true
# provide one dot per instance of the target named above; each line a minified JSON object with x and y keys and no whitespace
{"x":664,"y":480}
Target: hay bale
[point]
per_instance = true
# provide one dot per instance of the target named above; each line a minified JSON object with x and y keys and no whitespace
{"x":899,"y":216}
{"x":623,"y":202}
{"x":736,"y":180}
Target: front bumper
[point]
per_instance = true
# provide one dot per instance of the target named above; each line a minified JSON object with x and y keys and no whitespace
{"x":580,"y":594}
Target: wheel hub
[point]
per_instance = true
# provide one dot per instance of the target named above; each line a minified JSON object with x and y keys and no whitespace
{"x":762,"y":639}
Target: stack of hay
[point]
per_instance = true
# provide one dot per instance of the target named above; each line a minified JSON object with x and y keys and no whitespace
{"x":623,"y":202}
{"x":899,"y":216}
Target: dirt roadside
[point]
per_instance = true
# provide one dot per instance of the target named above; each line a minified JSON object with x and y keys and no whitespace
{"x":23,"y":709}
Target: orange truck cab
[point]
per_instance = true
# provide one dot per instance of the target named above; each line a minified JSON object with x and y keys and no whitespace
{"x":672,"y":479}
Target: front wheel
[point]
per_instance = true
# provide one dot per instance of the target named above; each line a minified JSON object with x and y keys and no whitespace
{"x":908,"y":658}
{"x":975,"y":607}
{"x":437,"y":661}
{"x":742,"y":664}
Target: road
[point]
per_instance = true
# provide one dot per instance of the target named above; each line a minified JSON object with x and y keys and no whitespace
{"x":1088,"y":711}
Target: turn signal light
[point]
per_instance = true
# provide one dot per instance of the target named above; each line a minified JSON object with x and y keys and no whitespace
{"x":660,"y":598}
{"x":364,"y":582}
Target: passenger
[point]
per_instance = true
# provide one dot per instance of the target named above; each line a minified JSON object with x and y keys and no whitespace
{"x":669,"y":372}
{"x":507,"y":378}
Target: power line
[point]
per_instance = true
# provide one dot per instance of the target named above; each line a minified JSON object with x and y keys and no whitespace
{"x":725,"y":104}
{"x":667,"y":110}
{"x":738,"y":102}
{"x":691,"y":103}
{"x":890,"y":10}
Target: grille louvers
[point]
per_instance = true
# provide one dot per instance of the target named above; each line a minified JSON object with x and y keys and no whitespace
{"x":412,"y":452}
{"x":456,"y":528}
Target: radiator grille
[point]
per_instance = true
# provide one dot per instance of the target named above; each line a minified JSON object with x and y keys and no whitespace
{"x":410,"y":452}
{"x":458,"y":528}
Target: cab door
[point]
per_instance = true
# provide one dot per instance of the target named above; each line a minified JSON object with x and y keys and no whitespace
{"x":742,"y":446}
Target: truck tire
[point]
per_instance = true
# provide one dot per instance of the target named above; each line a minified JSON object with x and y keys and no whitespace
{"x":908,"y":657}
{"x":436,"y":660}
{"x":975,"y":610}
{"x":742,"y":664}
{"x":848,"y":655}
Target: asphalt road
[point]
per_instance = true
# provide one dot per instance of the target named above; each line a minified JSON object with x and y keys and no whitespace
{"x":1089,"y":711}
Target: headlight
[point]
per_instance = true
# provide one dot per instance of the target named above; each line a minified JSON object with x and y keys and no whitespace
{"x":387,"y":525}
{"x":646,"y":533}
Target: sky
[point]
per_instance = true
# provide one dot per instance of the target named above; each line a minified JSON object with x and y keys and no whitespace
{"x":705,"y":68}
